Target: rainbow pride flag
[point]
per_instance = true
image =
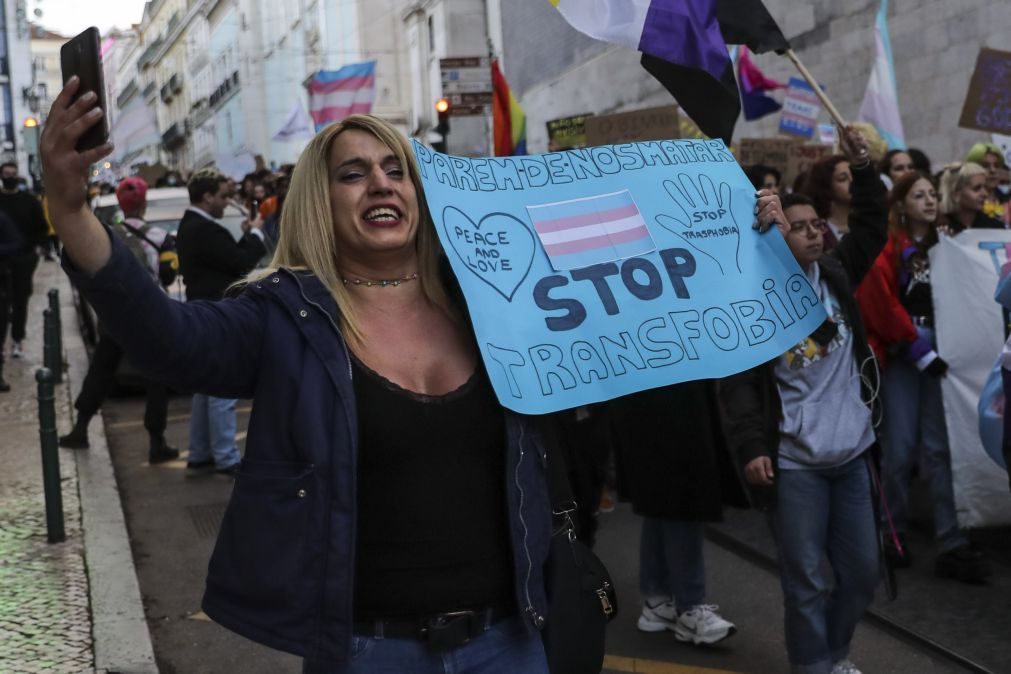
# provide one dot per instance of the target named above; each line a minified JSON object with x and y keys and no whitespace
{"x":509,"y":120}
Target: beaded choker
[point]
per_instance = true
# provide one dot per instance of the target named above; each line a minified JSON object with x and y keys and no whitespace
{"x":368,"y":283}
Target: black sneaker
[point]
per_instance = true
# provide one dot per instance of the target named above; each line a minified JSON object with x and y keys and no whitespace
{"x":230,"y":471}
{"x":964,"y":563}
{"x":199,"y":467}
{"x":75,"y":439}
{"x":162,"y":454}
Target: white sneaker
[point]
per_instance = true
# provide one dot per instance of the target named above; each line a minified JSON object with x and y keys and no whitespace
{"x":16,"y":351}
{"x":845,"y":667}
{"x":658,"y":617}
{"x":703,"y":625}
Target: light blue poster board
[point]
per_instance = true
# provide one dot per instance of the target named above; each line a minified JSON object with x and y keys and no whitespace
{"x":598,"y":272}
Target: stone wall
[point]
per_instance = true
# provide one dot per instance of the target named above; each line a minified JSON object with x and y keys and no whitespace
{"x":559,"y":72}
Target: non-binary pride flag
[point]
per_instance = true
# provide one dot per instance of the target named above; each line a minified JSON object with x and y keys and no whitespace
{"x":335,"y":94}
{"x":583,"y":232}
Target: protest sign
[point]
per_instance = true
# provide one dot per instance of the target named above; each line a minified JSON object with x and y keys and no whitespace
{"x":800,"y":109}
{"x":1004,"y":143}
{"x":629,"y":127}
{"x":801,"y":158}
{"x":567,"y":132}
{"x":774,"y":152}
{"x":987,"y":105}
{"x":970,"y":333}
{"x":594,"y":273}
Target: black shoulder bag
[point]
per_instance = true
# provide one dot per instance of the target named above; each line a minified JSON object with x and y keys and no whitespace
{"x":581,"y":597}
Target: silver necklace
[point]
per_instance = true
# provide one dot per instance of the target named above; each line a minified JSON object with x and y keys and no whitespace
{"x":382,"y":283}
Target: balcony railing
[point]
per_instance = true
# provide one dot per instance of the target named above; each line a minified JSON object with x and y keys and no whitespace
{"x":173,"y":137}
{"x":129,"y":91}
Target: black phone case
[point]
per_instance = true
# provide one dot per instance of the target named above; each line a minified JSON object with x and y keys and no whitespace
{"x":81,"y":56}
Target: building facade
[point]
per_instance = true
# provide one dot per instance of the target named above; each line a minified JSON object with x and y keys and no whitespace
{"x":16,"y":91}
{"x":557,"y":72}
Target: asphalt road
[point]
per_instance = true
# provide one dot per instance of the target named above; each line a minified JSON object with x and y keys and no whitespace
{"x":173,"y":519}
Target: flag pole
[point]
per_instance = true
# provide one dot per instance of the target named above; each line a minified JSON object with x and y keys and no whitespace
{"x":833,"y":113}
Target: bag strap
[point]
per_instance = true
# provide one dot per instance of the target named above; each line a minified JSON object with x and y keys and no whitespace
{"x":139,"y":233}
{"x":559,"y":488}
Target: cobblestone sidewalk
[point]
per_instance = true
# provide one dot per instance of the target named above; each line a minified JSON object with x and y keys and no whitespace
{"x":45,"y":613}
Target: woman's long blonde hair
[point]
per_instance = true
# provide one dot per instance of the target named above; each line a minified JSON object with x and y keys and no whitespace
{"x":308,"y":241}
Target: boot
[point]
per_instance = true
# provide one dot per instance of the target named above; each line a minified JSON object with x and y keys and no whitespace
{"x":160,"y":451}
{"x":77,"y":438}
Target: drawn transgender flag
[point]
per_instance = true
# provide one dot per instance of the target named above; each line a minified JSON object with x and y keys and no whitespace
{"x":335,"y":94}
{"x":584,"y":232}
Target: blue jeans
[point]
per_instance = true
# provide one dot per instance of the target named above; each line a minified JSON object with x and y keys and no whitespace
{"x":670,"y":561}
{"x":914,"y":418}
{"x":825,"y":512}
{"x":212,"y":431}
{"x":506,"y":648}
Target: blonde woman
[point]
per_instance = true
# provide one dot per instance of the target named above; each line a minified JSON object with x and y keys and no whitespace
{"x":388,"y":515}
{"x":963,"y":194}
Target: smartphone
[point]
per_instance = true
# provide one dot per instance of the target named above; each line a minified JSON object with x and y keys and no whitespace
{"x":81,"y":56}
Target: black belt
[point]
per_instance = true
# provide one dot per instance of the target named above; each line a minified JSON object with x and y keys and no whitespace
{"x":923,"y":321}
{"x":441,"y":631}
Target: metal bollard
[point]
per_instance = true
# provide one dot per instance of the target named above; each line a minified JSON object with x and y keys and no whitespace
{"x":50,"y":456}
{"x":50,"y":356}
{"x":54,"y":306}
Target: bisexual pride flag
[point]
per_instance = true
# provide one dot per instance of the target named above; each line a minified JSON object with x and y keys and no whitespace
{"x":335,"y":94}
{"x":584,"y":232}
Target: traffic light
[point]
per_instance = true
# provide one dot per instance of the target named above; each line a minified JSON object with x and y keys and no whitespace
{"x":442,"y":126}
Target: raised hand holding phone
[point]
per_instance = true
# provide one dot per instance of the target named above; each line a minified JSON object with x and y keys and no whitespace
{"x":81,"y":58}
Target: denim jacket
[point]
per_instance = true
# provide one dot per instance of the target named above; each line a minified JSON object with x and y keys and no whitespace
{"x":282,"y":570}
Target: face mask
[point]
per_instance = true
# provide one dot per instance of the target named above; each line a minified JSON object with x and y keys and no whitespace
{"x":1004,"y":189}
{"x":10,"y":183}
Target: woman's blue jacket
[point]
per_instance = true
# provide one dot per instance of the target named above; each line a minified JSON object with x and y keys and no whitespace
{"x":282,"y":571}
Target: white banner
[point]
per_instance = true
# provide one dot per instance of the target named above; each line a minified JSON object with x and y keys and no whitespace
{"x":970,"y":333}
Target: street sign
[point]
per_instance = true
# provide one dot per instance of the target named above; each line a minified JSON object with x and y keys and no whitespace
{"x":466,"y":84}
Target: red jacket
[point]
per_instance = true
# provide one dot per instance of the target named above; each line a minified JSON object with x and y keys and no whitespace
{"x":887,"y":321}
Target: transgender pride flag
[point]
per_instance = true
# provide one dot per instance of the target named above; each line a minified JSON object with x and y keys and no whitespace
{"x":584,"y":232}
{"x":335,"y":94}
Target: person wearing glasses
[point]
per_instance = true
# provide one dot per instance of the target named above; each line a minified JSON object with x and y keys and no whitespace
{"x":801,"y":429}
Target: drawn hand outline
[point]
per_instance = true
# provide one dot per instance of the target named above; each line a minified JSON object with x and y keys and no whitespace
{"x":691,"y":197}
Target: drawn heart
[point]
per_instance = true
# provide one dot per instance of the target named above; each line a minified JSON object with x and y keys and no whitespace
{"x":499,"y":249}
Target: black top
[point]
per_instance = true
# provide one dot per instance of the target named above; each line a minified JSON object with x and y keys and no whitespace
{"x":914,"y":281}
{"x":432,"y":521}
{"x":26,"y":213}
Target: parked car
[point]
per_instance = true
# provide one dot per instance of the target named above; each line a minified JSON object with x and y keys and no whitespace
{"x":165,"y":208}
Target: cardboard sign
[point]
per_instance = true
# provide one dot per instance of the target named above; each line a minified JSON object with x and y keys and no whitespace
{"x":987,"y":105}
{"x":566,"y":133}
{"x":801,"y":158}
{"x":774,"y":152}
{"x":598,"y":272}
{"x":630,"y":127}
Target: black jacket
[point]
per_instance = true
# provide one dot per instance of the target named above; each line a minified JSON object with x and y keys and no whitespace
{"x":210,"y":260}
{"x":670,"y":453}
{"x":751,"y":403}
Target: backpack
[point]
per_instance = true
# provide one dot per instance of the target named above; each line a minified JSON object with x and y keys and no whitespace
{"x":168,"y":258}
